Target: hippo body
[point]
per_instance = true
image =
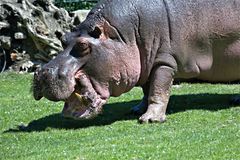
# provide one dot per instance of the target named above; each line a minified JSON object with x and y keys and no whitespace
{"x":147,"y":43}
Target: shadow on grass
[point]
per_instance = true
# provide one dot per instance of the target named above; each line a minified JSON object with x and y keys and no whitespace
{"x":121,"y":111}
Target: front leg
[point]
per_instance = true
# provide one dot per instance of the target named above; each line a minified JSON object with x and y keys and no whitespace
{"x":159,"y":92}
{"x":142,"y":106}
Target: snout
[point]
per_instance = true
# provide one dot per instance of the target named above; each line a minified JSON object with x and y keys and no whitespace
{"x":53,"y":83}
{"x":56,"y":79}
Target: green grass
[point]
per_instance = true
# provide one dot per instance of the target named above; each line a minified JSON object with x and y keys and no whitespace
{"x":201,"y":125}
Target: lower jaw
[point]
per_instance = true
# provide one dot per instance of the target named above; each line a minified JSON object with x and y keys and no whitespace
{"x":78,"y":116}
{"x":77,"y":106}
{"x":78,"y":112}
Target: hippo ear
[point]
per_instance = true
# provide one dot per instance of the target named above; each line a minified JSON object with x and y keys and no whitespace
{"x":106,"y":31}
{"x":111,"y":32}
{"x":96,"y":33}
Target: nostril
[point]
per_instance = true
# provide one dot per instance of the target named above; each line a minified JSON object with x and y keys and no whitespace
{"x":62,"y":74}
{"x":49,"y":71}
{"x":46,"y":74}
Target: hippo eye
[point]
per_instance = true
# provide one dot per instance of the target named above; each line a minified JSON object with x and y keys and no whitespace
{"x":80,"y":49}
{"x":95,"y":33}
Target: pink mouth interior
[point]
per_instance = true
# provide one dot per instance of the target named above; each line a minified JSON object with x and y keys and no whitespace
{"x":75,"y":107}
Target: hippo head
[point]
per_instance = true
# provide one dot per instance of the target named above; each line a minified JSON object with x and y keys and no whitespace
{"x":95,"y":65}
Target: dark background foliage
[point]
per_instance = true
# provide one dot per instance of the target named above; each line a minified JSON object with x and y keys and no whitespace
{"x":71,"y":5}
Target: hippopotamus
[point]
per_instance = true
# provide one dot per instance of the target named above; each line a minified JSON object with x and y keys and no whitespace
{"x":146,"y":43}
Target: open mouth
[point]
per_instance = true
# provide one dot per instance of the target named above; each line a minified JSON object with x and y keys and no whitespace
{"x":84,"y":102}
{"x":76,"y":107}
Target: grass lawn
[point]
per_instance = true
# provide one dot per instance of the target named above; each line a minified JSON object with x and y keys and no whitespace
{"x":201,"y":125}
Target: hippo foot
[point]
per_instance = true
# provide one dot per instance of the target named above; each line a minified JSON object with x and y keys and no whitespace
{"x":140,"y":108}
{"x":151,"y":117}
{"x":235,"y":100}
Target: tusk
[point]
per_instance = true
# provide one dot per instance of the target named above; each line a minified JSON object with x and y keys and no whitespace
{"x":81,"y":99}
{"x":78,"y":96}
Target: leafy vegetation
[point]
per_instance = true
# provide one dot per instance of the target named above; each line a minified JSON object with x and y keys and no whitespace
{"x":201,"y":125}
{"x":72,"y":5}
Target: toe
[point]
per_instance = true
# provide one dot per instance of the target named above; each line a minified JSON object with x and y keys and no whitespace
{"x":151,"y":118}
{"x":143,"y":119}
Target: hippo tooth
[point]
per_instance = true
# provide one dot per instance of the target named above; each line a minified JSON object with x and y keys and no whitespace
{"x":79,"y":97}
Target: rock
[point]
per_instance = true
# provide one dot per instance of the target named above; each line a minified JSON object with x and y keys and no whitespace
{"x":19,"y":35}
{"x":4,"y":25}
{"x":33,"y":28}
{"x":5,"y":42}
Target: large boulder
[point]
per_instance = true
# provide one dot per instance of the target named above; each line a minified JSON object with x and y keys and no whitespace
{"x":31,"y":31}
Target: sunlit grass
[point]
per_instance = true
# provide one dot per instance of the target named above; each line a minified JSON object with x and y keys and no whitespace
{"x":201,"y":125}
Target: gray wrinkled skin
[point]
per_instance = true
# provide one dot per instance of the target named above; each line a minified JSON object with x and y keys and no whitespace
{"x":147,"y":43}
